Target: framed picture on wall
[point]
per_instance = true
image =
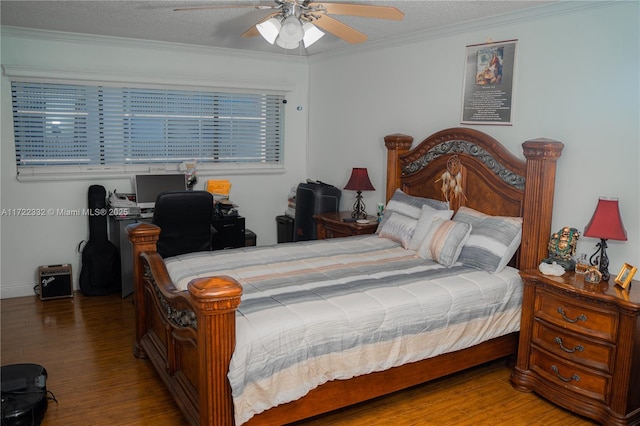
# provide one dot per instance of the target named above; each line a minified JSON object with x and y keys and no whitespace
{"x":488,"y":83}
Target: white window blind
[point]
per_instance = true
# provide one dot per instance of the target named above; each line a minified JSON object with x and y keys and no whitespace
{"x":88,"y":127}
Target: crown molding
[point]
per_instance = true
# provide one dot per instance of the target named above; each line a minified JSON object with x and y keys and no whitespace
{"x":160,"y":46}
{"x":543,"y":11}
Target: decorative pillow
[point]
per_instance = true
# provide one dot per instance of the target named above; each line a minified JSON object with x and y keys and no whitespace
{"x":398,"y":228}
{"x":409,"y":205}
{"x":493,"y":240}
{"x":444,"y":241}
{"x":427,"y":216}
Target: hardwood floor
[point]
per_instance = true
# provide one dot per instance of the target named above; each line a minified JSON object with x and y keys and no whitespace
{"x":85,"y":345}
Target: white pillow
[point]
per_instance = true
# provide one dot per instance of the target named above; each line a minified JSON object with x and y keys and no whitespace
{"x":398,"y":228}
{"x":425,"y":221}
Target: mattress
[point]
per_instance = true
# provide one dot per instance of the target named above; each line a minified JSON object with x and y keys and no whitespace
{"x":326,"y":310}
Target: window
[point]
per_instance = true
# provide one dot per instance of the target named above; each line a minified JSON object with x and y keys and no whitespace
{"x":82,"y":128}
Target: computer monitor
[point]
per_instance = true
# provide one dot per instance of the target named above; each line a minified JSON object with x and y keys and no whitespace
{"x":147,"y":187}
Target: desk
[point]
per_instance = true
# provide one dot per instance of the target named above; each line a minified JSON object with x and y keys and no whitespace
{"x":118,"y":236}
{"x":229,"y":232}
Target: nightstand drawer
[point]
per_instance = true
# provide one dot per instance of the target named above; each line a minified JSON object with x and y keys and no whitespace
{"x":579,"y":346}
{"x":338,"y":225}
{"x":573,"y":347}
{"x":570,"y":376}
{"x":573,"y":315}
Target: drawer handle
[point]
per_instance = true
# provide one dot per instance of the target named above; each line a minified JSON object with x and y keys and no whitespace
{"x":582,"y":317}
{"x":578,"y":348}
{"x":564,"y":379}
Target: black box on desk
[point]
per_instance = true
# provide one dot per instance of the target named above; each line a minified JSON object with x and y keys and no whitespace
{"x":55,"y":281}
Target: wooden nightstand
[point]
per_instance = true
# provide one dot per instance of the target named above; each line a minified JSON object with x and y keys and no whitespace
{"x":580,"y":346}
{"x":332,"y":225}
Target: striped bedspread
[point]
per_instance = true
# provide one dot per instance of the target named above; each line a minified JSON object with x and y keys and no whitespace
{"x":334,"y":309}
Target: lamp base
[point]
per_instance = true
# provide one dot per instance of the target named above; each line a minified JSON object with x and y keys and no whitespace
{"x":358,"y":208}
{"x":602,"y":261}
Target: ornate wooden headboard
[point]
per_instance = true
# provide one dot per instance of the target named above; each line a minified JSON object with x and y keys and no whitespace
{"x":494,"y":181}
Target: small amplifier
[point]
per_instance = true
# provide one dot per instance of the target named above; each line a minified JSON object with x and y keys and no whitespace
{"x":55,"y":281}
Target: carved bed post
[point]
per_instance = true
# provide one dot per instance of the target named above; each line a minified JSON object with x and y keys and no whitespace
{"x":541,"y":155}
{"x":397,"y":144}
{"x":215,"y":301}
{"x":143,"y":236}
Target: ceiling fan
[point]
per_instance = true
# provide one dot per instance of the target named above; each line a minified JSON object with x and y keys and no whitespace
{"x":295,"y":21}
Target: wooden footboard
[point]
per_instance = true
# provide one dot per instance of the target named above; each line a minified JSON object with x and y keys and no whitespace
{"x":189,"y":336}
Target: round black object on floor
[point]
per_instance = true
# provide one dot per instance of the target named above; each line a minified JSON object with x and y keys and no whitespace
{"x":24,"y":394}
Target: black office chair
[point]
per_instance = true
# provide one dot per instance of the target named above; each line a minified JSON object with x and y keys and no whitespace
{"x":184,"y":218}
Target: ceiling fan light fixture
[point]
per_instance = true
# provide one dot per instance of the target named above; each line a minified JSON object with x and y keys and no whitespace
{"x":291,"y":30}
{"x":287,"y":44}
{"x":311,"y":34}
{"x":269,"y":29}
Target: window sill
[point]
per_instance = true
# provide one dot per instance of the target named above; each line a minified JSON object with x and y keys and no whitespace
{"x":71,"y":174}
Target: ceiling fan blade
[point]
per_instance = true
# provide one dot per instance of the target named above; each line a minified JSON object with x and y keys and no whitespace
{"x":253,"y":31}
{"x":339,"y":29}
{"x":363,"y":10}
{"x":228,"y":6}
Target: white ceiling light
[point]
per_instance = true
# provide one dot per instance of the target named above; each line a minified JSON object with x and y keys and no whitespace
{"x":287,"y":44}
{"x":291,"y":33}
{"x":311,"y":34}
{"x":269,"y":29}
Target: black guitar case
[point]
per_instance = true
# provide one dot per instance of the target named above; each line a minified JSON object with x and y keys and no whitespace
{"x":100,"y":272}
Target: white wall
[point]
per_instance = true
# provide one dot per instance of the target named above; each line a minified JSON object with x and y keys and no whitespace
{"x":576,"y":81}
{"x":28,"y":242}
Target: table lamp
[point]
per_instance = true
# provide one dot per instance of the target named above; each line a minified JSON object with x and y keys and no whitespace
{"x":605,"y":224}
{"x":359,"y":181}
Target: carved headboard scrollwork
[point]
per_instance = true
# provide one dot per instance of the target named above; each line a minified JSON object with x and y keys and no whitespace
{"x":492,"y":179}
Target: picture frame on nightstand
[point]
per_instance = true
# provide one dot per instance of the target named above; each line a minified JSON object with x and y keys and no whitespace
{"x":625,"y":275}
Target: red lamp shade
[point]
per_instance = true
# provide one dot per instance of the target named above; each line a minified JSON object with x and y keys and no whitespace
{"x":606,"y":222}
{"x":359,"y":180}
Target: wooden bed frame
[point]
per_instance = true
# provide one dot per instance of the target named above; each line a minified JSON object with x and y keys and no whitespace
{"x":193,"y":362}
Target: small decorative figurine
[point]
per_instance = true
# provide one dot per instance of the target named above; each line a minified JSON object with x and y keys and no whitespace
{"x":593,"y":275}
{"x":562,"y":247}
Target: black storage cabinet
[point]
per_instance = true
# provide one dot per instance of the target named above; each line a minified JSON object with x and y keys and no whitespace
{"x":311,"y":199}
{"x":229,"y":232}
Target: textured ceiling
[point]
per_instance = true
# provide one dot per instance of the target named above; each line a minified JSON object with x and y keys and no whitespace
{"x":156,"y":20}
